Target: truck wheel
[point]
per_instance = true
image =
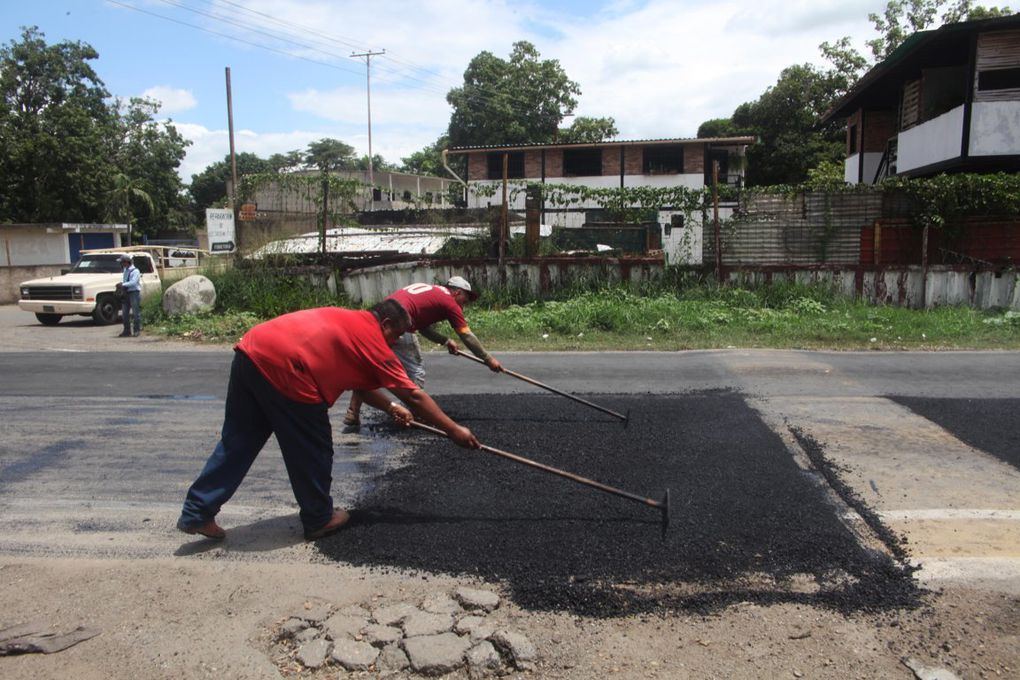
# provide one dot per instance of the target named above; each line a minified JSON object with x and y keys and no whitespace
{"x":48,"y":319}
{"x":107,"y":310}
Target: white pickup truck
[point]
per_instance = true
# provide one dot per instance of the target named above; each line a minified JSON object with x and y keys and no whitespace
{"x":87,"y":289}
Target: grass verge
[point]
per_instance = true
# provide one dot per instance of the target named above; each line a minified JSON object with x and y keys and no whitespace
{"x":662,"y":318}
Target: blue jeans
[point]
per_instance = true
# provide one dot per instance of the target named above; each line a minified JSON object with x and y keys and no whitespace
{"x":130,"y":309}
{"x":254,"y":410}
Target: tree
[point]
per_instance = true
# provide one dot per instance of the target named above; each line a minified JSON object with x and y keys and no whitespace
{"x":286,"y":162}
{"x":720,"y":127}
{"x":149,"y":152}
{"x":900,"y":20}
{"x":66,"y":148}
{"x":329,"y":155}
{"x":785,"y":120}
{"x":517,"y":101}
{"x":588,"y":129}
{"x":122,"y":198}
{"x":428,"y":161}
{"x":379,"y":164}
{"x":208,"y":189}
{"x":55,"y":132}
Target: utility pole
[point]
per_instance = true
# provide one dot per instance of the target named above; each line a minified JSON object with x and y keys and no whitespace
{"x":368,"y":88}
{"x":233,"y":159}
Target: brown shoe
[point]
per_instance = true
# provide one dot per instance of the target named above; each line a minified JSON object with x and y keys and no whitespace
{"x":210,"y":530}
{"x":335,"y":523}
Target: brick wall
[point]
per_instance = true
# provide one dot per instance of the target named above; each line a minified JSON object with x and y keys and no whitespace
{"x":694,"y":159}
{"x":853,"y":122}
{"x":611,"y":161}
{"x":879,"y":126}
{"x":533,"y":164}
{"x":633,"y":160}
{"x":478,"y":167}
{"x":554,"y":163}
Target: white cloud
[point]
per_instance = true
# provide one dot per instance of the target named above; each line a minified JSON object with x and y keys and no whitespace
{"x":659,"y":67}
{"x":172,"y":100}
{"x":392,"y":106}
{"x":211,"y":146}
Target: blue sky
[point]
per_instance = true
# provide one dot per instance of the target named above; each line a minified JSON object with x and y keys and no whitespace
{"x":659,"y":67}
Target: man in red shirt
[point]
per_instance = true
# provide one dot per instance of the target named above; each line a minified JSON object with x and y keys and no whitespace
{"x":287,"y":373}
{"x":428,"y":305}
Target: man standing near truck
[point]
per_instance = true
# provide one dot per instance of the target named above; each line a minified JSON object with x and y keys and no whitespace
{"x":131,"y":298}
{"x":427,"y":305}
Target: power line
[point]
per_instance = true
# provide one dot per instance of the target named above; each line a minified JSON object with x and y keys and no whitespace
{"x":485,"y":96}
{"x":479,"y":94}
{"x":229,"y":37}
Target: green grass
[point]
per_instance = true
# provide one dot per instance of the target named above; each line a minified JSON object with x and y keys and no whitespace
{"x":672,"y":314}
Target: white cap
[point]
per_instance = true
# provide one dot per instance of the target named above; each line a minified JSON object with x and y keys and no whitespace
{"x":461,"y":282}
{"x":124,"y":257}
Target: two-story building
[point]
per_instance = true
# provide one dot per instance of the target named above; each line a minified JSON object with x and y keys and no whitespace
{"x":639,"y":163}
{"x":946,"y":100}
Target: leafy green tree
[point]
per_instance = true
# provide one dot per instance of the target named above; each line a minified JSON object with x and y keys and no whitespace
{"x":149,"y":152}
{"x":124,"y":197}
{"x":720,"y":127}
{"x":516,"y":101}
{"x":379,"y":164}
{"x":208,"y":188}
{"x":588,"y":129}
{"x":285,"y":162}
{"x":785,"y":120}
{"x":67,"y":148}
{"x":900,"y":20}
{"x":56,"y":132}
{"x":428,"y":161}
{"x":329,"y":154}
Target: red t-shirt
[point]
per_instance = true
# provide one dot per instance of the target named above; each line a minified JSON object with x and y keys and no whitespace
{"x":426,"y":304}
{"x":312,"y":356}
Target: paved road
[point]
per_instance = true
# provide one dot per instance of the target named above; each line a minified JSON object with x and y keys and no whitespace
{"x":100,"y":436}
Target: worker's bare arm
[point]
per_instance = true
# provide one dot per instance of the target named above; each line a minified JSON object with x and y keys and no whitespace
{"x":379,"y":400}
{"x":472,"y":342}
{"x":428,"y":411}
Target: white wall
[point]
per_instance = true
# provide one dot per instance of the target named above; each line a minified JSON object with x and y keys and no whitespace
{"x":850,"y":166}
{"x":995,"y":128}
{"x":23,"y":247}
{"x":516,"y":194}
{"x":685,"y":245}
{"x":930,"y":142}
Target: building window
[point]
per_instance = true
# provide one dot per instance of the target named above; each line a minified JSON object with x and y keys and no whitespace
{"x":514,"y":165}
{"x":852,"y":141}
{"x":942,"y":90}
{"x":999,"y":79}
{"x":582,"y":162}
{"x":407,"y":195}
{"x":663,"y":160}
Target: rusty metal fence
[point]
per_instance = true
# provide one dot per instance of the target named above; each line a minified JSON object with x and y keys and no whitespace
{"x":854,"y":229}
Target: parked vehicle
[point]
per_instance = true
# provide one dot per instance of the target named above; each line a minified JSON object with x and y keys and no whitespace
{"x":89,"y":288}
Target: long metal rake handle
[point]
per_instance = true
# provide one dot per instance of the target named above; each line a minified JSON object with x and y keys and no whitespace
{"x":548,"y":387}
{"x":662,"y":505}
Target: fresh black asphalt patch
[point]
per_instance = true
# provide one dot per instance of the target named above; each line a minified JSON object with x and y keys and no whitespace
{"x":987,"y":424}
{"x":748,"y":524}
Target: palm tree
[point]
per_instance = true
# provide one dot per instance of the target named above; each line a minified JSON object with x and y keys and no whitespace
{"x":121,"y":198}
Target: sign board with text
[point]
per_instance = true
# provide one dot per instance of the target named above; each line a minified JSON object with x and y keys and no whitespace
{"x":220,"y":224}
